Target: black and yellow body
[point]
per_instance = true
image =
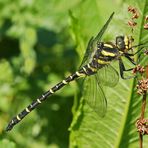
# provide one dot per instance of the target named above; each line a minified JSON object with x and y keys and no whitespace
{"x":103,"y":54}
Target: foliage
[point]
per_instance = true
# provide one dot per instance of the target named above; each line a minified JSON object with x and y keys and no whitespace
{"x":41,"y":42}
{"x":117,"y":128}
{"x":36,"y":53}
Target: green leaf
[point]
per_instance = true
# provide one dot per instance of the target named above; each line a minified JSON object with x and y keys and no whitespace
{"x":117,"y":128}
{"x":27,"y":43}
{"x":7,"y":144}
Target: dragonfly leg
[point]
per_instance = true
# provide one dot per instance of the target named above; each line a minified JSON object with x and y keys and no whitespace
{"x":128,"y":56}
{"x":130,"y":59}
{"x":122,"y":70}
{"x":138,"y":50}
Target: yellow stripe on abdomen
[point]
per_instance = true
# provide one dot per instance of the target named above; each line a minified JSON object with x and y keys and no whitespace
{"x":108,"y":45}
{"x":80,"y":74}
{"x":92,"y":68}
{"x":103,"y":62}
{"x":105,"y":53}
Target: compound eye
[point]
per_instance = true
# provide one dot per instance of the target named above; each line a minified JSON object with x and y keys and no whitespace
{"x":119,"y":42}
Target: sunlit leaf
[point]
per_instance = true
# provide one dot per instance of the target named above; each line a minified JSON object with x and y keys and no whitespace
{"x":117,"y":128}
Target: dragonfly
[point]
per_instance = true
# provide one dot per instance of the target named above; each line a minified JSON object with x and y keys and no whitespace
{"x":96,"y":69}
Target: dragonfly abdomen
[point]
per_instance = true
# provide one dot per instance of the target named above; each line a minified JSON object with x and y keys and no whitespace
{"x":85,"y":70}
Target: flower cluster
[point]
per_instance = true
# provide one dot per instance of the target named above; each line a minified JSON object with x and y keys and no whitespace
{"x":135,"y":15}
{"x":142,"y":86}
{"x":142,"y":126}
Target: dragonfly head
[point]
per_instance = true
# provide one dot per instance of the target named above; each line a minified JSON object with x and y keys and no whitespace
{"x":124,"y":43}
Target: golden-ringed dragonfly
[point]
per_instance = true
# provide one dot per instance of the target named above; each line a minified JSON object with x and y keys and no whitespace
{"x":97,"y":70}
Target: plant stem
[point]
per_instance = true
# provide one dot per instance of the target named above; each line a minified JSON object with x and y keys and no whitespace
{"x":143,"y":110}
{"x":140,"y":140}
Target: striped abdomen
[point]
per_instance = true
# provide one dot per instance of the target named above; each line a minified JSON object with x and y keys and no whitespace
{"x":104,"y":55}
{"x":85,"y":70}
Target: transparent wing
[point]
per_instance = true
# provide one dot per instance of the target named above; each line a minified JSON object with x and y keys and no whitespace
{"x":108,"y":76}
{"x":94,"y":95}
{"x":92,"y":45}
{"x":100,"y":34}
{"x":87,"y":52}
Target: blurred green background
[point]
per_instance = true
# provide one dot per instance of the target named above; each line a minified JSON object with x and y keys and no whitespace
{"x":41,"y":42}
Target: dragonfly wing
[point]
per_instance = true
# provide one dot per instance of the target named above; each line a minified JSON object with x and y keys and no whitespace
{"x":87,"y":52}
{"x":108,"y":76}
{"x":94,"y":95}
{"x":92,"y":45}
{"x":100,"y":34}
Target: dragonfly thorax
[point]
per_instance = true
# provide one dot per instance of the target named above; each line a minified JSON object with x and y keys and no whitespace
{"x":104,"y":55}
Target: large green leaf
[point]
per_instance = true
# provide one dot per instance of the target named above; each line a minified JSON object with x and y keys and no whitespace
{"x":117,"y":128}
